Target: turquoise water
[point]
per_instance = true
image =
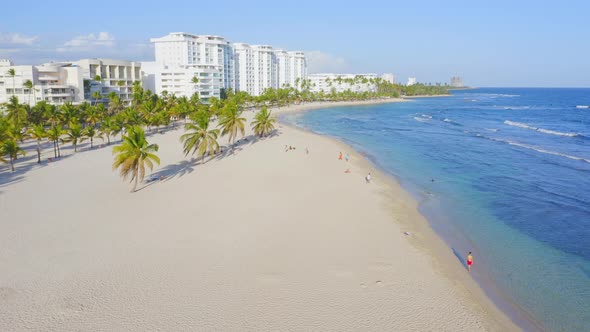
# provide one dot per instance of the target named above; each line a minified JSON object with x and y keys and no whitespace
{"x":504,"y":173}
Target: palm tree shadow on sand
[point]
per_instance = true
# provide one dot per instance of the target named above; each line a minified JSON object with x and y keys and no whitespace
{"x":227,"y":151}
{"x":179,"y":169}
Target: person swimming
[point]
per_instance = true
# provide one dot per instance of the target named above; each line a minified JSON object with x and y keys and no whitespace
{"x":469,"y":261}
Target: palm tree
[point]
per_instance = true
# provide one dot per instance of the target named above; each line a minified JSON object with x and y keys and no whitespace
{"x":70,"y":113}
{"x":38,"y":133}
{"x":96,"y":95}
{"x":28,"y":84}
{"x":54,"y":134}
{"x":90,"y":132}
{"x":53,"y":115}
{"x":74,"y":134}
{"x":134,"y":154}
{"x":11,"y":72}
{"x":11,"y":148}
{"x":263,"y":123}
{"x":93,"y":115}
{"x":200,"y":139}
{"x":115,"y":104}
{"x":16,"y":112}
{"x":109,"y":128}
{"x":231,"y":122}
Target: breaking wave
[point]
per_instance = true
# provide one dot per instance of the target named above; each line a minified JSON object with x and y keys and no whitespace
{"x":541,"y":130}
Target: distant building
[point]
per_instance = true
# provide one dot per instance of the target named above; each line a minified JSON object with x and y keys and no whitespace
{"x":72,"y":81}
{"x":54,"y":83}
{"x":218,"y":65}
{"x":456,"y":82}
{"x":411,"y":81}
{"x":328,"y":82}
{"x":115,"y":76}
{"x":388,"y":78}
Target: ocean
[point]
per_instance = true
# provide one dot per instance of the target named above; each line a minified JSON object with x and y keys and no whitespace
{"x":501,"y":172}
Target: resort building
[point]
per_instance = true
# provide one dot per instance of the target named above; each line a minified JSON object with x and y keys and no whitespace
{"x":107,"y":75}
{"x":72,"y":81}
{"x":411,"y":81}
{"x":388,"y":78}
{"x":187,"y":64}
{"x":54,"y":83}
{"x":456,"y":82}
{"x":328,"y":82}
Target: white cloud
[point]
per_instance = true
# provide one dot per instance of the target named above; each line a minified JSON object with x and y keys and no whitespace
{"x":88,"y":42}
{"x":320,"y":62}
{"x":14,"y":38}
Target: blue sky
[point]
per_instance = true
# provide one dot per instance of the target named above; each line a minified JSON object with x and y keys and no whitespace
{"x":500,"y":43}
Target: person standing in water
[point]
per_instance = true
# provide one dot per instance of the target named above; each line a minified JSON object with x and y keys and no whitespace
{"x":469,"y":261}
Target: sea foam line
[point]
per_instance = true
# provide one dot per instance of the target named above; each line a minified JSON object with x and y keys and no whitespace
{"x":541,"y":150}
{"x":541,"y":130}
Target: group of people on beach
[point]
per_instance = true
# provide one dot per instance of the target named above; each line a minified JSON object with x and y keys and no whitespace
{"x":347,"y":171}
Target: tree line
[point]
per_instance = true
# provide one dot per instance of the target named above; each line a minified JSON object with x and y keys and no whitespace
{"x":90,"y":121}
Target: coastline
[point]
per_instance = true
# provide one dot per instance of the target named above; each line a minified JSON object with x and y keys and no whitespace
{"x":261,"y":239}
{"x":426,"y":239}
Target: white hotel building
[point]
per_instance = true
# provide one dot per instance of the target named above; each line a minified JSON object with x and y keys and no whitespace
{"x":60,"y":82}
{"x":181,"y":57}
{"x":54,"y":83}
{"x":218,"y":64}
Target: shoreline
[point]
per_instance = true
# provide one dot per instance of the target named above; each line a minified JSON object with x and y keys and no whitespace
{"x":260,"y":239}
{"x":429,"y":241}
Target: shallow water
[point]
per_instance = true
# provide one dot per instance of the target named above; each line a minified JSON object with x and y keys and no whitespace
{"x":504,"y":173}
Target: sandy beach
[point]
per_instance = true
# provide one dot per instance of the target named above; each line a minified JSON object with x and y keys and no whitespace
{"x":259,"y":240}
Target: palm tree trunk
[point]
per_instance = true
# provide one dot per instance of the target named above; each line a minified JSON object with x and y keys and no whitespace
{"x":58,"y":151}
{"x":54,"y":149}
{"x":38,"y":151}
{"x":108,"y":139}
{"x":134,"y":185}
{"x":12,"y":163}
{"x":91,"y":141}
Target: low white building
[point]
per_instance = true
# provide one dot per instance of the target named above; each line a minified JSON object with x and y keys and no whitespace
{"x":388,"y":77}
{"x":54,"y":83}
{"x":182,"y":81}
{"x":328,"y":82}
{"x":108,"y":75}
{"x":411,"y":81}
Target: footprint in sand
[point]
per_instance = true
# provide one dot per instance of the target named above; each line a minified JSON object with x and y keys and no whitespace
{"x":379,"y":283}
{"x":363,"y":286}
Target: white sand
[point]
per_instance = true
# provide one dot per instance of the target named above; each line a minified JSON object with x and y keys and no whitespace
{"x":260,"y":240}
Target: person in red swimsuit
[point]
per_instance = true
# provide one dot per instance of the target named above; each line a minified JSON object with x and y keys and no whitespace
{"x":469,"y":261}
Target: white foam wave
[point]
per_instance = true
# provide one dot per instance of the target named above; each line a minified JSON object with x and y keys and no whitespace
{"x":426,"y":116}
{"x":541,"y":150}
{"x":541,"y":130}
{"x":517,"y":107}
{"x":447,"y":120}
{"x":582,"y":106}
{"x":420,"y":119}
{"x":493,"y":130}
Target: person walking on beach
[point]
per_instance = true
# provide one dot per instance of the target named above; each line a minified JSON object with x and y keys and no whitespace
{"x":347,"y":157}
{"x":368,"y":178}
{"x":469,"y":261}
{"x":340,"y":156}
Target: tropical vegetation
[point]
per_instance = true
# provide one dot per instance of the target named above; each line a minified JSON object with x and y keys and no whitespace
{"x":108,"y":117}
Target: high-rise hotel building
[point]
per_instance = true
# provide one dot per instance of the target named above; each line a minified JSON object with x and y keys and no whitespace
{"x":187,"y":64}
